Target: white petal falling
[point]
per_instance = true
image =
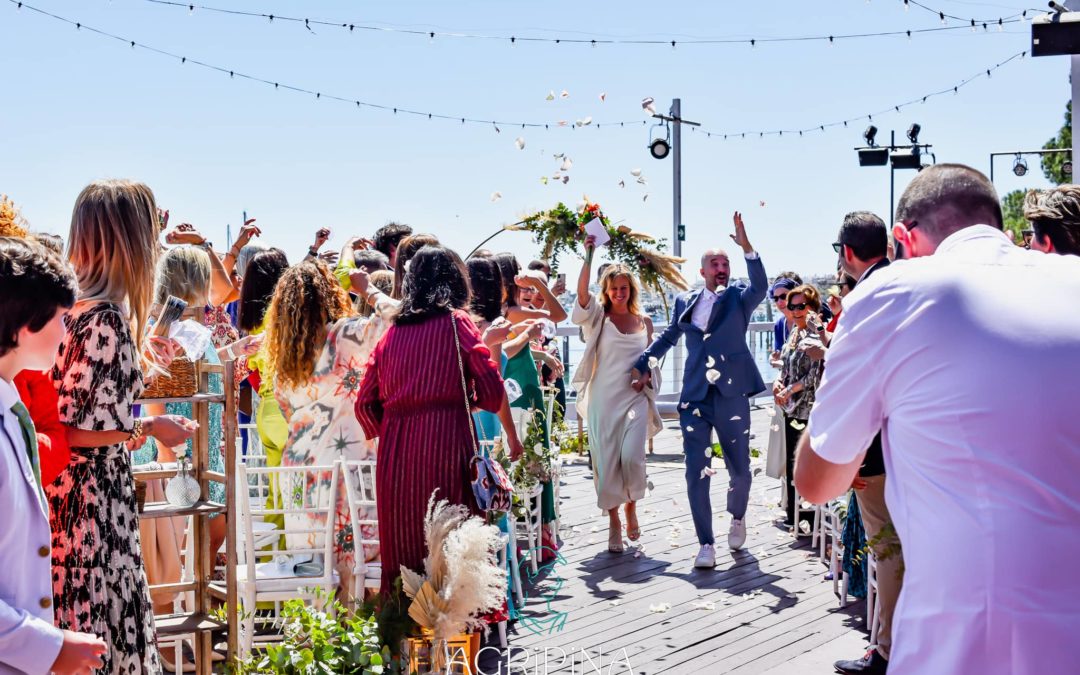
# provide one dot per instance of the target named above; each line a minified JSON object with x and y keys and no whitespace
{"x":496,"y":196}
{"x":710,"y":362}
{"x":622,"y":183}
{"x":646,"y":197}
{"x":586,"y":122}
{"x":631,"y":415}
{"x":558,"y":155}
{"x":603,"y":97}
{"x":567,"y":164}
{"x":706,"y":337}
{"x":697,"y":412}
{"x":647,"y":105}
{"x":564,"y":94}
{"x":635,"y":172}
{"x":641,"y":180}
{"x":690,"y":429}
{"x":520,"y":143}
{"x":712,"y":375}
{"x":736,"y":418}
{"x":563,"y":123}
{"x":653,"y":362}
{"x":707,"y":472}
{"x":684,"y":405}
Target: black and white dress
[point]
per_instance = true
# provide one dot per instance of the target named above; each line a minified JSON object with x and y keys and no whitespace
{"x":99,"y":584}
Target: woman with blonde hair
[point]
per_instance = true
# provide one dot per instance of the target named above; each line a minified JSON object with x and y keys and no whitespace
{"x":99,"y":585}
{"x":316,"y":350}
{"x":620,"y":420}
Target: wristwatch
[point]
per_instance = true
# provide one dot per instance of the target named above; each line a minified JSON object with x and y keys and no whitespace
{"x":313,"y":252}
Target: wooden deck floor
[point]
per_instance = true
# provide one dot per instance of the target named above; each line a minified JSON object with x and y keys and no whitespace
{"x":765,"y":609}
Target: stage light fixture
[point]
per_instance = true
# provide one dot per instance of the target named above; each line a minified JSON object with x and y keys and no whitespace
{"x":913,"y":133}
{"x":869,"y":134}
{"x":1020,"y":167}
{"x":659,"y":148}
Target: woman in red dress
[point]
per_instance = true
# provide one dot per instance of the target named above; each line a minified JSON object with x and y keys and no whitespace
{"x":411,"y":398}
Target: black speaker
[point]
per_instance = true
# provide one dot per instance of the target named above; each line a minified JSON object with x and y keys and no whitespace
{"x":1055,"y":34}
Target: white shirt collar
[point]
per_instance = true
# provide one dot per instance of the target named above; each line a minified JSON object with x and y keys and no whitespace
{"x":969,"y":233}
{"x":707,"y":293}
{"x":9,"y":395}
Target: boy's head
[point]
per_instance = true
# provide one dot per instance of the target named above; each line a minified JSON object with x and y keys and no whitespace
{"x":36,"y":286}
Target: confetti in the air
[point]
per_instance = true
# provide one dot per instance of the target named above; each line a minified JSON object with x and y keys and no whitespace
{"x":603,"y":97}
{"x":550,"y":96}
{"x":735,"y":418}
{"x":584,"y":122}
{"x":567,"y":163}
{"x":762,"y":204}
{"x":708,"y":472}
{"x":564,"y":94}
{"x":496,"y":196}
{"x":690,"y":429}
{"x":520,"y":143}
{"x":710,"y":362}
{"x":645,"y":198}
{"x":653,"y":362}
{"x":684,"y":405}
{"x":635,"y":172}
{"x":544,"y":180}
{"x":797,"y":425}
{"x":697,"y":412}
{"x":647,"y":105}
{"x":631,"y":415}
{"x":622,"y":183}
{"x":712,"y":375}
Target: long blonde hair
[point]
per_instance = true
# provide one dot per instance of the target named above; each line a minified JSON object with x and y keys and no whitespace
{"x":184,"y":272}
{"x":306,"y":300}
{"x":113,"y":246}
{"x":610,"y":274}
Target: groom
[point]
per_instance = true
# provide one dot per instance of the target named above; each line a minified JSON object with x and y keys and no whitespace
{"x":719,"y":377}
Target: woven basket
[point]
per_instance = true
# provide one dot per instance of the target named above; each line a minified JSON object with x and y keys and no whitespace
{"x":180,"y":382}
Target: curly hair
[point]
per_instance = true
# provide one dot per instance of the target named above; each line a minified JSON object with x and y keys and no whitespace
{"x":306,"y":301}
{"x":437,"y":283}
{"x":389,"y":236}
{"x":1055,"y":215}
{"x":11,"y":223}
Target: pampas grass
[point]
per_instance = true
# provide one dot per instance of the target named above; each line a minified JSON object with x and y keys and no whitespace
{"x":461,"y":579}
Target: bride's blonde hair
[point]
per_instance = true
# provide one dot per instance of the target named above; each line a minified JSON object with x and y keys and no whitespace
{"x":113,"y":246}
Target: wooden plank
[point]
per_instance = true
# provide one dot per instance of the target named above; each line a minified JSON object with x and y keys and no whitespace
{"x":197,"y":398}
{"x":229,"y":425}
{"x":182,"y":624}
{"x":166,"y":510}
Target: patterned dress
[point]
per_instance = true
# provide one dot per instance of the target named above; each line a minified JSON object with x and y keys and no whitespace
{"x":411,"y":399}
{"x":323,"y":427}
{"x":99,"y":585}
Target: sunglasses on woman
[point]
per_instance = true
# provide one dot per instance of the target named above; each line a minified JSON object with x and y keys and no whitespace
{"x":797,"y":307}
{"x":779,"y":296}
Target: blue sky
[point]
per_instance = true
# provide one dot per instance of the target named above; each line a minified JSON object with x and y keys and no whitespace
{"x":80,"y":107}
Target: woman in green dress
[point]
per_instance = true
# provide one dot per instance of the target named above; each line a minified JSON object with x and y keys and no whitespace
{"x":521,"y":367}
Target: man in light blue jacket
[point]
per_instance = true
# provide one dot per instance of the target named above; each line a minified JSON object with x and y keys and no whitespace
{"x":719,"y":377}
{"x":36,"y":288}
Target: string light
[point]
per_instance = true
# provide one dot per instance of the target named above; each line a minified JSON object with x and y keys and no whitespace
{"x":585,"y":40}
{"x":955,"y":89}
{"x":235,"y":74}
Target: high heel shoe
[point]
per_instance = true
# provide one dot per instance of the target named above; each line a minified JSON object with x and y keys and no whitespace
{"x":632,"y":533}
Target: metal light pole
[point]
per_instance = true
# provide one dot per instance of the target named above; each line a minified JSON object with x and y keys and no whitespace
{"x":675,"y":118}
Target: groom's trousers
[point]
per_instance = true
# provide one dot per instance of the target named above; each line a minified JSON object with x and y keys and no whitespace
{"x":730,"y":417}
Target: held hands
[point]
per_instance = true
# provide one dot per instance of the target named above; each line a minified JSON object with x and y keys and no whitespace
{"x":80,"y":654}
{"x":740,"y":237}
{"x":639,"y":381}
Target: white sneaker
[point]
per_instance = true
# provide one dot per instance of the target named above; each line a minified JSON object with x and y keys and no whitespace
{"x":736,"y":536}
{"x":706,"y":557}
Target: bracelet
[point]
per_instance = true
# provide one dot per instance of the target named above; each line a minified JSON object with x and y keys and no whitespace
{"x":314,"y":252}
{"x":136,"y":429}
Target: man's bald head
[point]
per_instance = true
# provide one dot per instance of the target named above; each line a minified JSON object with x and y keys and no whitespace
{"x":715,"y":269}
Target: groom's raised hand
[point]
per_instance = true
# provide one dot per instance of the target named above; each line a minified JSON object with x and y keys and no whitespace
{"x":740,"y":237}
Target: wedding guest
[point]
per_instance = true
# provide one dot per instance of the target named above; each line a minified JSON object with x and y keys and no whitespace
{"x":387,"y":238}
{"x":380,"y":280}
{"x":797,"y":382}
{"x":1054,"y":215}
{"x":99,"y":585}
{"x":411,"y":399}
{"x":521,"y":368}
{"x":863,"y":240}
{"x":948,"y":410}
{"x":405,"y":251}
{"x":782,"y":285}
{"x":260,"y":277}
{"x":36,"y":288}
{"x":620,"y":419}
{"x":35,"y":386}
{"x":317,"y":349}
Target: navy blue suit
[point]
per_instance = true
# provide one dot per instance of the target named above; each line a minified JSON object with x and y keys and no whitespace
{"x":722,"y":405}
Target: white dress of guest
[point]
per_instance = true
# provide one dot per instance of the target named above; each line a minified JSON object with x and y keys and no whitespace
{"x":620,"y":420}
{"x":966,"y":364}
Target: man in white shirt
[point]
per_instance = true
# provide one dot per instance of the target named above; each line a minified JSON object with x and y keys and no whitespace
{"x":960,"y":357}
{"x":35,"y":289}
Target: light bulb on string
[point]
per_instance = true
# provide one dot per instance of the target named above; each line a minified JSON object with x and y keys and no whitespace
{"x":1001,"y":26}
{"x":943,"y":20}
{"x":909,"y":36}
{"x":973,"y":25}
{"x":431,"y":38}
{"x":672,"y":45}
{"x":191,"y":9}
{"x":906,"y":6}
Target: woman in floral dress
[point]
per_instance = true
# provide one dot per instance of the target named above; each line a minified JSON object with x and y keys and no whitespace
{"x":316,"y":350}
{"x":99,"y":585}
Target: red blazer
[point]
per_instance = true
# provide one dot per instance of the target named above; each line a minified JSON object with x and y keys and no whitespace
{"x":37,"y":393}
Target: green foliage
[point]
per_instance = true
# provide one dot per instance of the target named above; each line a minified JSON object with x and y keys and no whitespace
{"x":1012,"y":209}
{"x":317,"y":641}
{"x":1053,"y":164}
{"x":557,"y":231}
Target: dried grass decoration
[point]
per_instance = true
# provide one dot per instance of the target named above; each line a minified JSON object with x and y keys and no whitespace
{"x":645,"y":253}
{"x":556,"y":231}
{"x":461,"y":579}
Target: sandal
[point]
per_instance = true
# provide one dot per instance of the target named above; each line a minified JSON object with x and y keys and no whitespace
{"x":632,"y":533}
{"x":614,"y":540}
